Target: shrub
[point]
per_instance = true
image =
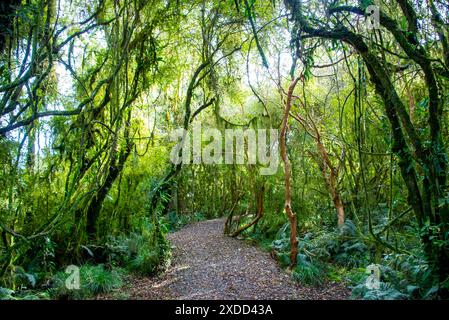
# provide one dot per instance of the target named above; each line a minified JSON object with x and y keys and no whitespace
{"x":385,"y":292}
{"x":145,"y":261}
{"x":308,"y":272}
{"x":341,"y":246}
{"x":173,"y":221}
{"x":401,"y":277}
{"x":6,"y":294}
{"x":139,"y":253}
{"x":352,"y":254}
{"x":99,"y":280}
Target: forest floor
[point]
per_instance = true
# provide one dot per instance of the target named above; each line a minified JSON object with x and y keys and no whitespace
{"x":207,"y":264}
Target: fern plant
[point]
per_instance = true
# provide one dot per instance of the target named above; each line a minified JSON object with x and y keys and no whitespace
{"x":309,"y":272}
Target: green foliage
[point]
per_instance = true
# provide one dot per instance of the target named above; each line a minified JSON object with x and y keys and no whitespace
{"x":23,"y":279}
{"x":93,"y":280}
{"x":144,"y":253}
{"x":174,"y":221}
{"x":410,"y":274}
{"x":387,"y":287}
{"x":352,"y":254}
{"x":340,"y":246}
{"x":145,"y":261}
{"x":79,"y":187}
{"x":100,"y":280}
{"x":402,"y":277}
{"x":324,"y":255}
{"x":385,"y":292}
{"x":309,"y":272}
{"x":6,"y":294}
{"x":356,"y":276}
{"x":336,"y":273}
{"x":271,"y":224}
{"x":141,"y":257}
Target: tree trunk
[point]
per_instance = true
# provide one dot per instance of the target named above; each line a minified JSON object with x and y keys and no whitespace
{"x":287,"y":177}
{"x":94,"y":208}
{"x":331,"y":180}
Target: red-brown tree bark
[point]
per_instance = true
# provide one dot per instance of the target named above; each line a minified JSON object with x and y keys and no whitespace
{"x":287,"y":176}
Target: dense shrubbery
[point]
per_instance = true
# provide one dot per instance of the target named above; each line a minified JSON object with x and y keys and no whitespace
{"x":138,"y":253}
{"x":309,"y":271}
{"x":144,"y":252}
{"x":340,"y":246}
{"x":343,"y":255}
{"x":93,"y":280}
{"x":402,"y":277}
{"x":174,"y":221}
{"x":84,"y":138}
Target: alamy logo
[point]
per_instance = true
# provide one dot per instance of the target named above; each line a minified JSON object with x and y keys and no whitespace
{"x":372,"y":17}
{"x":73,"y":280}
{"x":207,"y":146}
{"x":373,"y":280}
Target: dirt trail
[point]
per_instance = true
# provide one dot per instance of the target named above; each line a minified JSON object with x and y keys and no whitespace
{"x":209,"y":265}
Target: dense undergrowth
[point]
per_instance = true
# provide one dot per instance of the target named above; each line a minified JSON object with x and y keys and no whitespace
{"x":344,"y":255}
{"x":175,"y":221}
{"x":92,"y":94}
{"x":329,"y":254}
{"x":102,"y":269}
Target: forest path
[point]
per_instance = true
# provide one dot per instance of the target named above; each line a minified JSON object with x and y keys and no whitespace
{"x":207,"y":264}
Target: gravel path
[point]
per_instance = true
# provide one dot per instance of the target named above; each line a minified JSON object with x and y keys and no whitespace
{"x":209,"y":265}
